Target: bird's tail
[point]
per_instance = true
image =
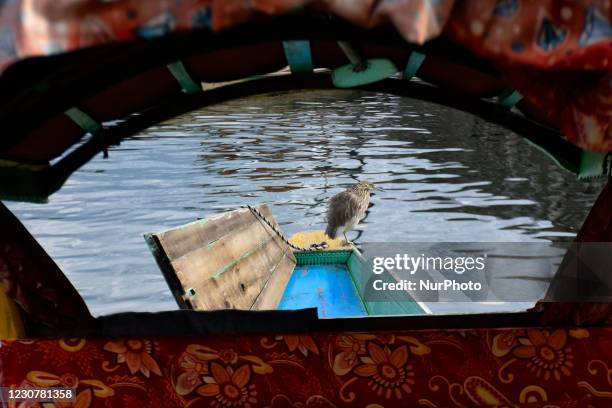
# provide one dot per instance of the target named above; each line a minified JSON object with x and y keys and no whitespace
{"x":331,"y":232}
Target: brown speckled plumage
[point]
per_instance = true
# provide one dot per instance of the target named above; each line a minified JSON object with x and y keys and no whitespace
{"x":347,"y":208}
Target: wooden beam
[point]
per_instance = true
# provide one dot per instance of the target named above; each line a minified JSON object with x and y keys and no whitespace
{"x":230,"y":261}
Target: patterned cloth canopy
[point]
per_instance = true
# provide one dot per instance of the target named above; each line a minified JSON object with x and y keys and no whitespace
{"x":556,"y":53}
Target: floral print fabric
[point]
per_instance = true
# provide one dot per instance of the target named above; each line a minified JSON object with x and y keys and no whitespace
{"x":562,"y":367}
{"x":557,"y":53}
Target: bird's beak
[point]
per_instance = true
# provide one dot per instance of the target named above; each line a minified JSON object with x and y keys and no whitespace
{"x":378,"y":189}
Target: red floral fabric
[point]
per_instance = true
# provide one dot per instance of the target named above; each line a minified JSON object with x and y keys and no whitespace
{"x":561,"y":367}
{"x":596,"y":228}
{"x":34,"y":281}
{"x":557,"y":53}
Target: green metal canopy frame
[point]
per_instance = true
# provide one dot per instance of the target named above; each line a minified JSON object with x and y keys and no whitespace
{"x":35,"y":183}
{"x":75,"y":76}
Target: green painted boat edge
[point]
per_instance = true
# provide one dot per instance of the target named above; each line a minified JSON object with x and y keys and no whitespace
{"x":354,"y":261}
{"x":394,"y":307}
{"x":340,"y":256}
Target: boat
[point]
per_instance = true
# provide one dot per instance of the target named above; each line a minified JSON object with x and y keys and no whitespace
{"x":238,"y":260}
{"x":77,"y":78}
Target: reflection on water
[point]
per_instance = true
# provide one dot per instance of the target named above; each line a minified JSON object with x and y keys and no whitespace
{"x":447,"y":176}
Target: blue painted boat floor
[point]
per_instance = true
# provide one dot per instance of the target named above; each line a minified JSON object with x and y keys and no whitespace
{"x":329,"y":288}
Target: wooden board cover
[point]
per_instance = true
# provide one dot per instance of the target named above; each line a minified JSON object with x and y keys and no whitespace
{"x":230,"y":261}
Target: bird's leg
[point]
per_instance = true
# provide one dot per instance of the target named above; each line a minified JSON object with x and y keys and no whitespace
{"x":346,"y":239}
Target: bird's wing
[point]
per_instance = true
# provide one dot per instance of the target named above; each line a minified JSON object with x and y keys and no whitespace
{"x":342,"y":207}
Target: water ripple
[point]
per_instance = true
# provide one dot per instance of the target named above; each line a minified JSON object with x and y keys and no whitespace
{"x":448,"y":176}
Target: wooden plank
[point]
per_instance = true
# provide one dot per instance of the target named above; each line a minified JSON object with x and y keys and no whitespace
{"x":179,"y":241}
{"x":217,"y":257}
{"x":226,"y":260}
{"x":274,"y":287}
{"x":174,"y":283}
{"x":239,"y":285}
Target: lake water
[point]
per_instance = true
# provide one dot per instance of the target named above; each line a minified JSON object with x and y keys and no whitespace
{"x":447,"y":176}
